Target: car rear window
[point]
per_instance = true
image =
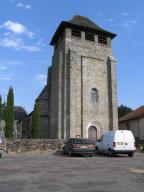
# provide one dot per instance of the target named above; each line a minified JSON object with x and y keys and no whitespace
{"x":82,"y":141}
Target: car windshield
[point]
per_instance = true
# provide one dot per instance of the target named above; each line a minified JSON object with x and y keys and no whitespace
{"x":82,"y":141}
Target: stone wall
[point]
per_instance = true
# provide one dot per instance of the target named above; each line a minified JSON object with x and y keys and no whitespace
{"x":32,"y":146}
{"x":78,"y":67}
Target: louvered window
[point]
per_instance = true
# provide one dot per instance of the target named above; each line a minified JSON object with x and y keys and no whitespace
{"x":89,"y":36}
{"x":102,"y":39}
{"x":76,"y":33}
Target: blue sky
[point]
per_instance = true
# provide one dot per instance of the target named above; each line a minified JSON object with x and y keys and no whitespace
{"x":27,"y":26}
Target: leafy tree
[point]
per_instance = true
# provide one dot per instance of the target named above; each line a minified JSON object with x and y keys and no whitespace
{"x":123,"y":110}
{"x":35,"y":122}
{"x":9,"y":116}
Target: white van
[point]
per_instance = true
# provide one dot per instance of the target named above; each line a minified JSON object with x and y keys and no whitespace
{"x":116,"y":142}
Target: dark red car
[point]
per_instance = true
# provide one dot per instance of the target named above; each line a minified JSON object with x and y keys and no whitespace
{"x":79,"y":146}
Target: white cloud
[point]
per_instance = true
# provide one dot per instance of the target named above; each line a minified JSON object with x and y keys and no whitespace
{"x":6,"y":77}
{"x":7,"y":34}
{"x":31,"y":48}
{"x":6,"y":66}
{"x":17,"y":28}
{"x":23,"y":6}
{"x":14,"y":27}
{"x":126,"y":23}
{"x":18,"y":44}
{"x":10,"y":43}
{"x":130,"y":23}
{"x":14,"y":63}
{"x":133,"y":21}
{"x":125,"y":14}
{"x":110,"y":20}
{"x":12,"y":37}
{"x":41,"y":78}
{"x":10,"y":63}
{"x":27,"y":6}
{"x":3,"y":67}
{"x":29,"y":33}
{"x":41,"y":43}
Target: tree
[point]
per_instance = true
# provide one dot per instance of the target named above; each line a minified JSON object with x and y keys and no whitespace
{"x":123,"y":110}
{"x":35,"y":122}
{"x":9,"y":116}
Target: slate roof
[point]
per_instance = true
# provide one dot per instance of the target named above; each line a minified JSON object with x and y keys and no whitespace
{"x":19,"y":112}
{"x":81,"y":22}
{"x":44,"y":94}
{"x":139,"y":112}
{"x":26,"y":116}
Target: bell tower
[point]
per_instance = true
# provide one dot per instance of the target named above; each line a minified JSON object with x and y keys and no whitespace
{"x":83,"y":94}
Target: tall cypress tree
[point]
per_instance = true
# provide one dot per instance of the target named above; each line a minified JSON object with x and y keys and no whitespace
{"x":9,"y":128}
{"x":35,"y":122}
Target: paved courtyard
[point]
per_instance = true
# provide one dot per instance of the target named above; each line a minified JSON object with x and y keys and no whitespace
{"x":58,"y":173}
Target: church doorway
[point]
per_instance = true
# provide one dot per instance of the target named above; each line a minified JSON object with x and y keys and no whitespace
{"x":92,"y":132}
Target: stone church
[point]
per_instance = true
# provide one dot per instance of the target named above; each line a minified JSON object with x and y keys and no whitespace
{"x":81,"y":88}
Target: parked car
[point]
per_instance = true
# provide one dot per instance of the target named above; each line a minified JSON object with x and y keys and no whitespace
{"x":116,"y":142}
{"x":1,"y":148}
{"x":79,"y":146}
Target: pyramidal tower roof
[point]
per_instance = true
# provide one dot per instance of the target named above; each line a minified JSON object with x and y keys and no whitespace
{"x":82,"y":22}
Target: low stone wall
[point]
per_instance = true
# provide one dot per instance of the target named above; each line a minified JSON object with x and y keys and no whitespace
{"x":33,"y":146}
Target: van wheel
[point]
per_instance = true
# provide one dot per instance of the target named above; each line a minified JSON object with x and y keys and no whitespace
{"x":110,"y":153}
{"x":130,"y":154}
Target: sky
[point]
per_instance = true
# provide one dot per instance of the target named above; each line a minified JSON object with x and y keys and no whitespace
{"x":26,"y":29}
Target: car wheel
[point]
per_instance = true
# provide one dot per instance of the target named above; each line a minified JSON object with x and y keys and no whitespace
{"x":0,"y":155}
{"x":70,"y":153}
{"x":110,"y":153}
{"x":97,"y":150}
{"x":130,"y":154}
{"x":63,"y":151}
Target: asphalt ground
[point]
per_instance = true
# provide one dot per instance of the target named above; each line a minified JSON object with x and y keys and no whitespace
{"x":59,"y":173}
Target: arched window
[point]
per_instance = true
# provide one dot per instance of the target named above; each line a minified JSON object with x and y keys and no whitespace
{"x":94,"y":95}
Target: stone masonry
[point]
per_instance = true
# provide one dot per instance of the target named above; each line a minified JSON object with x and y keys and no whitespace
{"x":82,"y":94}
{"x":42,"y":100}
